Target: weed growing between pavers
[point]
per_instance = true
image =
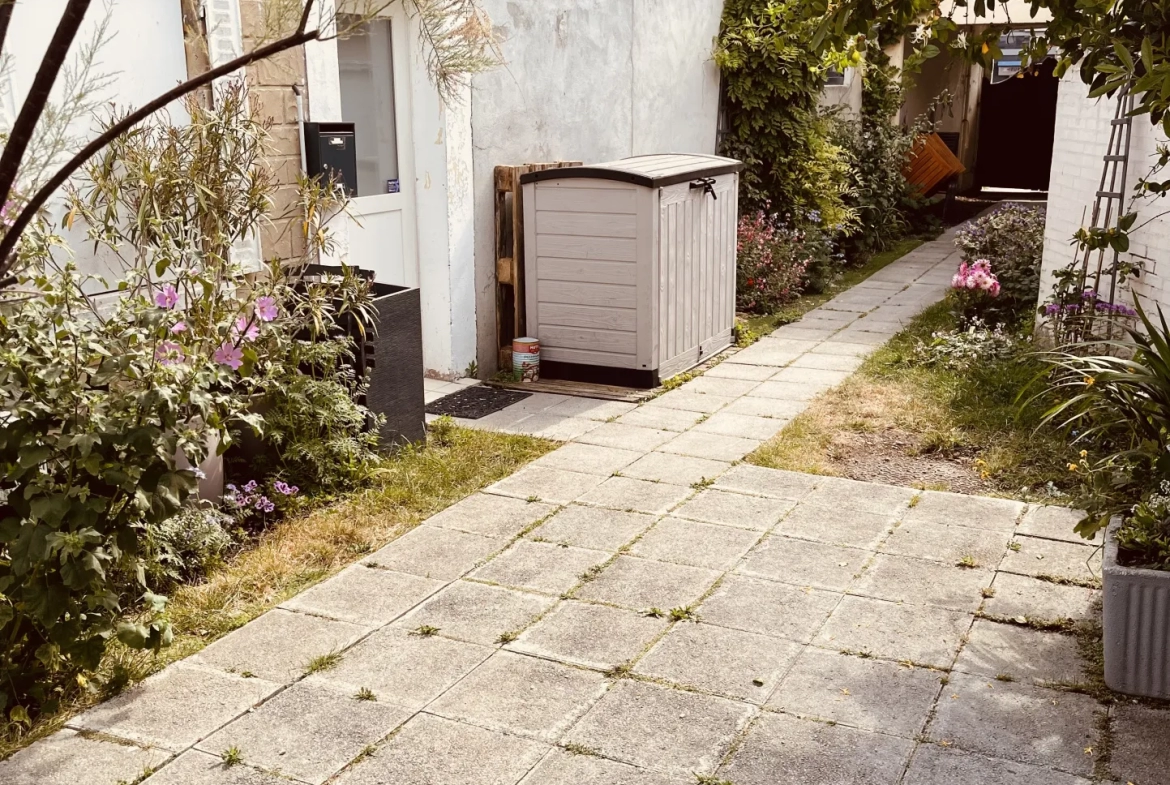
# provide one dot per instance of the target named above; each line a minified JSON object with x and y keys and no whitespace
{"x":365,"y":694}
{"x":232,"y":756}
{"x":302,"y":551}
{"x":322,"y":662}
{"x":425,"y":631}
{"x":580,"y":749}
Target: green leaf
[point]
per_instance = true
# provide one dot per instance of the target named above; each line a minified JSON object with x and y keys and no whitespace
{"x":1124,"y":56}
{"x":133,"y":635}
{"x":1148,"y":54}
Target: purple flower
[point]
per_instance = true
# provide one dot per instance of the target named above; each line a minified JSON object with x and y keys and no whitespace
{"x":169,"y":353}
{"x":264,"y":504}
{"x":1051,"y":309}
{"x":231,"y":356}
{"x":285,"y":488}
{"x":179,"y":327}
{"x":250,"y":486}
{"x":167,"y":298}
{"x":244,"y":328}
{"x":266,"y":308}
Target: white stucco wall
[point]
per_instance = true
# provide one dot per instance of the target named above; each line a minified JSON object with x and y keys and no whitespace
{"x":588,"y":80}
{"x":1082,"y":136}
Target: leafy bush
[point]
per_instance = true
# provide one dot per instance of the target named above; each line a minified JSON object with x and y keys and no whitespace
{"x":1012,"y":239}
{"x":776,"y":261}
{"x":185,"y":547}
{"x":1143,"y":539}
{"x":1075,"y":313}
{"x":109,"y":401}
{"x":1120,"y":407}
{"x":974,"y":292}
{"x":773,"y":80}
{"x":958,"y":350}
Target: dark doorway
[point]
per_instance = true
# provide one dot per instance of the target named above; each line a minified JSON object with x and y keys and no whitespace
{"x":1017,"y":122}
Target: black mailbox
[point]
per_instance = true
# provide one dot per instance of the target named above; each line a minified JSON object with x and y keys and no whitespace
{"x":331,"y":151}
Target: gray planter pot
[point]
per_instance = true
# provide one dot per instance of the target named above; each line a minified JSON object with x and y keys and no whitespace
{"x":1136,"y":621}
{"x":394,"y":365}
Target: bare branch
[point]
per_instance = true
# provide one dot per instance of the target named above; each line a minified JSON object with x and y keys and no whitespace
{"x":6,"y":7}
{"x":38,"y":95}
{"x":42,"y":196}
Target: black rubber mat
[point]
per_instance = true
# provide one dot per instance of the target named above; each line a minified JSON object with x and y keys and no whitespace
{"x":475,"y":402}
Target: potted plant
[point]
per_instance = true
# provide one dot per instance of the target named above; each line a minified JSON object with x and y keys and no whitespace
{"x":1120,"y":404}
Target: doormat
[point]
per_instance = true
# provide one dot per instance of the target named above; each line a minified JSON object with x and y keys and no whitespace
{"x":475,"y":402}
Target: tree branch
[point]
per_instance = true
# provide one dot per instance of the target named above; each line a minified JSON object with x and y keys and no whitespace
{"x":41,"y":197}
{"x":6,"y":7}
{"x":38,"y":95}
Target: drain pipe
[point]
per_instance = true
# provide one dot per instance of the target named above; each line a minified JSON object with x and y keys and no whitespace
{"x":300,"y":124}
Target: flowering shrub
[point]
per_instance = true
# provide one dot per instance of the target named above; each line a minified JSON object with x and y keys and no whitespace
{"x":1011,"y":240}
{"x":1076,"y":313}
{"x":1143,"y":539}
{"x":771,"y":264}
{"x":974,"y":289}
{"x":108,"y":401}
{"x":958,"y":350}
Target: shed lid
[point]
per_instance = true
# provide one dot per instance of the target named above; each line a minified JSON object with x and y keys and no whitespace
{"x":653,"y":171}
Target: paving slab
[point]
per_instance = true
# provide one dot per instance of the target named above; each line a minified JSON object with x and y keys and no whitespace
{"x":284,"y":735}
{"x":660,"y":418}
{"x":774,"y":355}
{"x":403,"y":668}
{"x":1018,"y":722}
{"x":1021,"y":653}
{"x":198,"y":768}
{"x":591,"y":408}
{"x":365,"y":596}
{"x":279,"y":645}
{"x":430,"y":750}
{"x":917,"y":582}
{"x":149,"y":712}
{"x":828,"y":361}
{"x":921,"y":634}
{"x":625,"y":493}
{"x":730,"y":369}
{"x":759,"y":513}
{"x":1040,"y":557}
{"x":838,"y":492}
{"x":784,"y":749}
{"x":565,"y":768}
{"x":1140,"y":754}
{"x":442,"y":554}
{"x":523,"y":695}
{"x":627,"y":437}
{"x":594,"y":636}
{"x":777,"y":483}
{"x":768,"y":608}
{"x":671,"y":731}
{"x":837,"y":526}
{"x":937,"y":765}
{"x":980,"y":512}
{"x":641,"y":584}
{"x":861,"y":350}
{"x":703,"y":403}
{"x":476,"y":612}
{"x":947,"y":544}
{"x":675,"y":469}
{"x":539,"y":566}
{"x":1037,"y":600}
{"x":714,"y":385}
{"x":593,"y":527}
{"x":1054,"y":523}
{"x":804,"y":332}
{"x":804,"y":563}
{"x":545,"y":425}
{"x":711,"y":445}
{"x":539,"y":483}
{"x":745,"y":426}
{"x":741,"y":665}
{"x":789,"y":390}
{"x":778,"y":409}
{"x":695,"y":544}
{"x":68,"y":758}
{"x":852,"y":335}
{"x":811,"y":377}
{"x":864,"y":693}
{"x":588,"y":458}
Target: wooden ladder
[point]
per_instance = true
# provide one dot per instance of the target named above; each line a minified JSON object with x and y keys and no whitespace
{"x":509,"y":219}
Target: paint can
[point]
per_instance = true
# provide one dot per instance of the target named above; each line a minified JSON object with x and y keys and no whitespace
{"x":526,"y":359}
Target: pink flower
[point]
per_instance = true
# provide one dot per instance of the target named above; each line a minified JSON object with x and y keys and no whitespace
{"x":169,"y":353}
{"x":242,"y":328}
{"x":231,"y":356}
{"x":179,"y":327}
{"x":266,"y":308}
{"x":167,"y":298}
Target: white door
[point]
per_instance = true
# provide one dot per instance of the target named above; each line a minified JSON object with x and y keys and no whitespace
{"x":375,"y":91}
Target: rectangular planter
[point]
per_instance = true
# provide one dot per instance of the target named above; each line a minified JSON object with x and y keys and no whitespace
{"x":393,"y":362}
{"x":1136,"y":621}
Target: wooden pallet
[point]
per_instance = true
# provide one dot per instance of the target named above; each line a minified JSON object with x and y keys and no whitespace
{"x":932,"y":163}
{"x":510,"y":254}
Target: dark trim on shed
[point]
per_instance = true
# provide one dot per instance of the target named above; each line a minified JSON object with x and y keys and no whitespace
{"x":637,"y":178}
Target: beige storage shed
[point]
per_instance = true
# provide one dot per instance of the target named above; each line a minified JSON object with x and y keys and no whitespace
{"x":629,"y":266}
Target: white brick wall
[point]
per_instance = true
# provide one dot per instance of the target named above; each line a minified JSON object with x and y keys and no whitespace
{"x":1082,"y":136}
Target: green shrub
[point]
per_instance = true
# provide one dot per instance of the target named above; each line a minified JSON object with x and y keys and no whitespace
{"x":775,"y":261}
{"x":185,"y":547}
{"x":1012,"y":239}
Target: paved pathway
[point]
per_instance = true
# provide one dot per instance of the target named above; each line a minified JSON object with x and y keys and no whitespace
{"x":636,"y":608}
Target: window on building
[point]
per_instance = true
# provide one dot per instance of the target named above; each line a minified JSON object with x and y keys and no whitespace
{"x":835,"y":77}
{"x":366,"y":67}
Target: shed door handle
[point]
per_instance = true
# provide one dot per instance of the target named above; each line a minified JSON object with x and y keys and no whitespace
{"x":707,"y":184}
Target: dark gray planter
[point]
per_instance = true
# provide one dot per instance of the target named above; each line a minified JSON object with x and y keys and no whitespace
{"x":394,"y":365}
{"x":1136,"y":621}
